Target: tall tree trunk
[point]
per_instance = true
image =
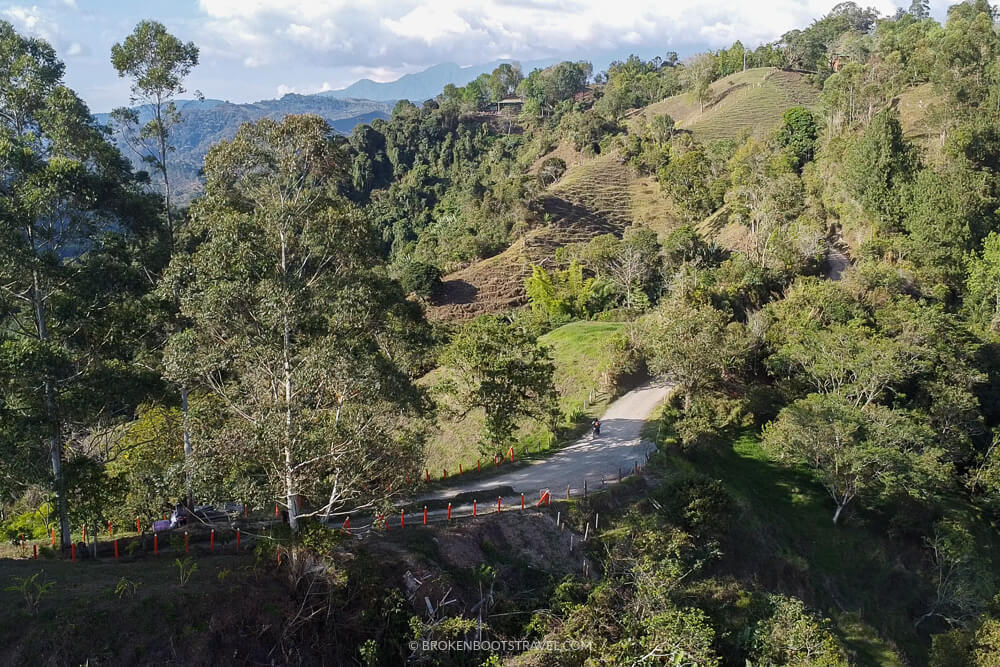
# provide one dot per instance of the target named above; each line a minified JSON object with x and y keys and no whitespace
{"x":188,"y":451}
{"x":291,"y":490}
{"x":836,"y":515}
{"x":162,"y":139}
{"x":54,"y":442}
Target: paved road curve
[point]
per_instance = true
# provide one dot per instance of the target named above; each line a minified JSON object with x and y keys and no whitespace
{"x":618,"y":446}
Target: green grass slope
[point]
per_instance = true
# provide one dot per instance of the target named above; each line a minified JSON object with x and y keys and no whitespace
{"x":747,"y":102}
{"x":856,"y":572}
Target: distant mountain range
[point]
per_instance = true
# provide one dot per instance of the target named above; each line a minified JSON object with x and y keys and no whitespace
{"x":424,"y":85}
{"x":209,"y":121}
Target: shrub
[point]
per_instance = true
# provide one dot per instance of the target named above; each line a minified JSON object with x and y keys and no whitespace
{"x":697,"y":503}
{"x":29,"y":524}
{"x":318,"y":538}
{"x":551,"y":170}
{"x":792,"y":635}
{"x":420,"y":278}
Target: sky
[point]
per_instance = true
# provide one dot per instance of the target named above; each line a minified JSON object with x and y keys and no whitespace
{"x":262,"y":49}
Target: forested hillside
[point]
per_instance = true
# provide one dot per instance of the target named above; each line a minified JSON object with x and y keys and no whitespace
{"x":800,"y":241}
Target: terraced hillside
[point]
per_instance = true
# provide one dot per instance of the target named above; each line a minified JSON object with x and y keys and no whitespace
{"x":592,"y":198}
{"x":601,"y":195}
{"x":750,"y":101}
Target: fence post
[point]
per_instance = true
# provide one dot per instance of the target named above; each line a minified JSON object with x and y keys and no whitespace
{"x":186,"y":548}
{"x":427,"y":472}
{"x":498,"y":504}
{"x":156,"y":544}
{"x":478,"y":464}
{"x":211,"y":541}
{"x":522,"y":501}
{"x":425,"y":515}
{"x":116,"y":549}
{"x":449,"y":511}
{"x":473,"y":508}
{"x":237,"y":539}
{"x":402,"y":519}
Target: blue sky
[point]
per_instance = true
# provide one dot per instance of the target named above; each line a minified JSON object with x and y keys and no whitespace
{"x":260,"y":49}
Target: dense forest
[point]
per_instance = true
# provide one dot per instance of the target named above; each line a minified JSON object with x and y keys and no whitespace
{"x":815,"y":274}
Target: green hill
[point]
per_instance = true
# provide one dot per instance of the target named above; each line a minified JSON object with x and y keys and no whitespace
{"x":601,"y":195}
{"x":750,"y":101}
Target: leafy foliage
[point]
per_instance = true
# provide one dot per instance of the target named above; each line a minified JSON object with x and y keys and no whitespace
{"x":500,"y":368}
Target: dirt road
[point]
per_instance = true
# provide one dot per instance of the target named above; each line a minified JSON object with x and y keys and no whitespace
{"x":589,"y":458}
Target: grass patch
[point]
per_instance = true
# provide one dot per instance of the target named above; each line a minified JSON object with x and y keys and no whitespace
{"x":652,"y":207}
{"x":153,"y":620}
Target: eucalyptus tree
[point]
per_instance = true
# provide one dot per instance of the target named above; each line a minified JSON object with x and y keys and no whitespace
{"x":157,"y":63}
{"x":295,"y":330}
{"x":68,"y":207}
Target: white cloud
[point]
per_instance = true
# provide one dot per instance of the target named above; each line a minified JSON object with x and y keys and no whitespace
{"x":401,"y":34}
{"x":40,"y":22}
